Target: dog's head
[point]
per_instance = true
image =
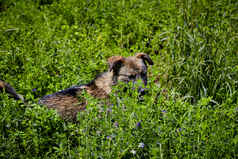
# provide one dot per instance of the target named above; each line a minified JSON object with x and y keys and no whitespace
{"x":131,"y":68}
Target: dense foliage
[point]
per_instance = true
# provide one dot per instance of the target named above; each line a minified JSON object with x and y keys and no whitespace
{"x":190,"y":110}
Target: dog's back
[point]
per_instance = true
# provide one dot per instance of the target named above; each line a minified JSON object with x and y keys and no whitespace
{"x":67,"y":102}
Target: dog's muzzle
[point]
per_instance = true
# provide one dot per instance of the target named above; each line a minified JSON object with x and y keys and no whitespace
{"x":142,"y":92}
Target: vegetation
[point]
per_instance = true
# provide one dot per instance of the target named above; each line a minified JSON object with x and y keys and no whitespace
{"x":190,"y":110}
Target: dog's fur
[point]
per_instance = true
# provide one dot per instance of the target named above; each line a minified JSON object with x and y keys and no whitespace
{"x":68,"y":103}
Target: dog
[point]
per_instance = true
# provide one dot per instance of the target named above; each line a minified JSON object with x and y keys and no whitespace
{"x":68,"y":102}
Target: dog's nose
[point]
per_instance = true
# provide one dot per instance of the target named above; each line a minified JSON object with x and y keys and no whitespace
{"x":142,"y":91}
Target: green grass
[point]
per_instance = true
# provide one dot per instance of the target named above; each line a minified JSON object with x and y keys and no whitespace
{"x":190,"y":111}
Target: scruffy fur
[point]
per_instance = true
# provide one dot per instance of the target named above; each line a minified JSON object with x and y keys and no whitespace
{"x":68,"y":102}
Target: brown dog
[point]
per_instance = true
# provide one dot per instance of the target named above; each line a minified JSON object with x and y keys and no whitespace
{"x":68,"y":103}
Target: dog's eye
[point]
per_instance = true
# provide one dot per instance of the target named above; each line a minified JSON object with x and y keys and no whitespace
{"x":132,"y":76}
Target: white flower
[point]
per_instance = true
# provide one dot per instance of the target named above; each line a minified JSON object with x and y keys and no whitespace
{"x":133,"y":152}
{"x":141,"y":145}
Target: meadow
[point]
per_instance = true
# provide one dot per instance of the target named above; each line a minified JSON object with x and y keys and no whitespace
{"x":190,"y":110}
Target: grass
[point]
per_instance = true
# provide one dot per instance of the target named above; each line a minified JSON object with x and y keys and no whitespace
{"x":189,"y":112}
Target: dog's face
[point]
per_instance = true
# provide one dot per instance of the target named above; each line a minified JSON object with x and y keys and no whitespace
{"x":131,"y":68}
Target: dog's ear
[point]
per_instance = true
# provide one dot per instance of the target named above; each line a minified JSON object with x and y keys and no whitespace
{"x":145,"y":57}
{"x":115,"y":62}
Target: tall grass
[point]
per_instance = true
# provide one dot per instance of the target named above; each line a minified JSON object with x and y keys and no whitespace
{"x":204,"y":50}
{"x":190,"y":110}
